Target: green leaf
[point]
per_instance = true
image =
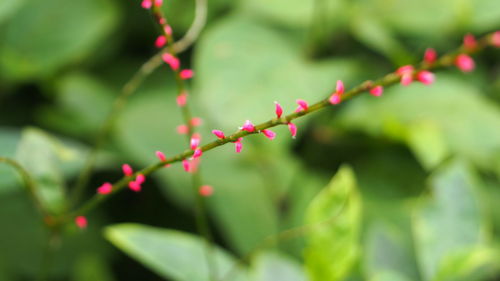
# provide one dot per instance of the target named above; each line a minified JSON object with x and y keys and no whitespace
{"x":36,"y":44}
{"x":37,"y":153}
{"x":171,"y":254}
{"x":272,"y":266}
{"x":432,"y":120}
{"x":243,"y":66}
{"x":335,"y":215}
{"x":388,"y":276}
{"x":8,"y":7}
{"x":92,"y":267}
{"x":8,"y":142}
{"x":450,"y":229}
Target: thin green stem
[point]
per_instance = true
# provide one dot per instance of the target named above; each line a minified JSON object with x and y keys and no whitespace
{"x":388,"y":80}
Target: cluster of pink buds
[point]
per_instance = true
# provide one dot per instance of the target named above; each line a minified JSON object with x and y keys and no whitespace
{"x":136,"y":185}
{"x":406,"y":73}
{"x":303,"y":105}
{"x":336,"y":97}
{"x":162,"y":158}
{"x":105,"y":188}
{"x":194,"y":144}
{"x":186,"y":74}
{"x":377,"y":91}
{"x":160,"y":41}
{"x":248,"y":126}
{"x":147,"y":4}
{"x":172,"y":61}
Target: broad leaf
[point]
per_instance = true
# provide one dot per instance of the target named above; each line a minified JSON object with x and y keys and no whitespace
{"x":170,"y":253}
{"x":272,"y":266}
{"x":334,"y":217}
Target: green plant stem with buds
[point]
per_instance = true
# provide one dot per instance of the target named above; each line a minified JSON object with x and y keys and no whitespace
{"x":388,"y":80}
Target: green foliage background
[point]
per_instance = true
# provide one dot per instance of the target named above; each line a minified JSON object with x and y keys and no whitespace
{"x":416,"y":173}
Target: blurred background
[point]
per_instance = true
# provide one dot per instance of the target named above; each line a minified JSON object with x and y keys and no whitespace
{"x":422,"y":162}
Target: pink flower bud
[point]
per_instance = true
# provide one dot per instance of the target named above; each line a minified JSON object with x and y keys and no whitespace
{"x":161,"y":156}
{"x":140,"y":179}
{"x":269,"y":134}
{"x":340,"y":87}
{"x":293,"y":129}
{"x":182,"y":129}
{"x":377,"y":91}
{"x":279,"y":109}
{"x":186,"y":74}
{"x":470,"y":41}
{"x":127,"y":170}
{"x":160,"y":41}
{"x":146,"y":4}
{"x":158,"y":3}
{"x":134,"y":186}
{"x":425,"y":77}
{"x":105,"y":188}
{"x":195,"y":141}
{"x":182,"y":99}
{"x":248,"y":126}
{"x":218,"y":134}
{"x":81,"y":222}
{"x":335,"y":99}
{"x":406,"y":79}
{"x":206,"y":190}
{"x":197,"y":153}
{"x":302,"y":105}
{"x":185,"y":165}
{"x":495,"y":39}
{"x":172,"y":61}
{"x":238,"y":145}
{"x":162,"y":21}
{"x":167,"y":29}
{"x":405,"y":69}
{"x":430,"y":55}
{"x":465,"y":63}
{"x":196,"y":121}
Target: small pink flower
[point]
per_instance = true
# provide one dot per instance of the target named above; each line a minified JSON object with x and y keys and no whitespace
{"x":197,"y":153}
{"x":206,"y":190}
{"x":167,"y":29}
{"x":146,"y":4}
{"x":161,"y":156}
{"x":293,"y":129}
{"x":335,"y":99}
{"x":160,"y":41}
{"x":470,"y":41}
{"x":134,"y":186}
{"x":162,"y":21}
{"x":196,"y":121}
{"x":269,"y":134}
{"x":248,"y":126}
{"x":406,"y":79}
{"x":302,"y":105}
{"x":181,"y":99}
{"x":182,"y":129}
{"x":340,"y":87}
{"x":105,"y":188}
{"x":140,"y":179}
{"x":426,"y":77}
{"x":186,"y":74}
{"x":377,"y":91}
{"x":127,"y":170}
{"x":185,"y":165}
{"x":406,"y":73}
{"x":430,"y":55}
{"x":465,"y":63}
{"x":172,"y":61}
{"x":495,"y":39}
{"x":238,"y":145}
{"x":219,"y":134}
{"x":195,"y":141}
{"x":158,"y":3}
{"x":405,"y":69}
{"x":279,"y":109}
{"x":81,"y":222}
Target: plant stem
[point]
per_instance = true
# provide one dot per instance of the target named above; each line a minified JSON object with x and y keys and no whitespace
{"x":388,"y":80}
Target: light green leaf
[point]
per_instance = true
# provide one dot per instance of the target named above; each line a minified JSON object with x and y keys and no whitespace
{"x":333,"y":244}
{"x":37,"y":153}
{"x":243,"y":66}
{"x":8,"y":7}
{"x":8,"y":141}
{"x":450,"y":230}
{"x":48,"y":34}
{"x":389,"y":276}
{"x":272,"y":266}
{"x":171,"y":254}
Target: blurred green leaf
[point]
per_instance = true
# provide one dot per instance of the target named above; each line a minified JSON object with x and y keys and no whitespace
{"x":450,"y":230}
{"x":36,"y":152}
{"x":171,"y":254}
{"x":389,"y":276}
{"x":92,"y":267}
{"x":243,"y":66}
{"x":9,"y":138}
{"x":272,"y":266}
{"x":45,"y":35}
{"x":439,"y":112}
{"x":333,"y":245}
{"x":82,"y":105}
{"x":8,"y":7}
